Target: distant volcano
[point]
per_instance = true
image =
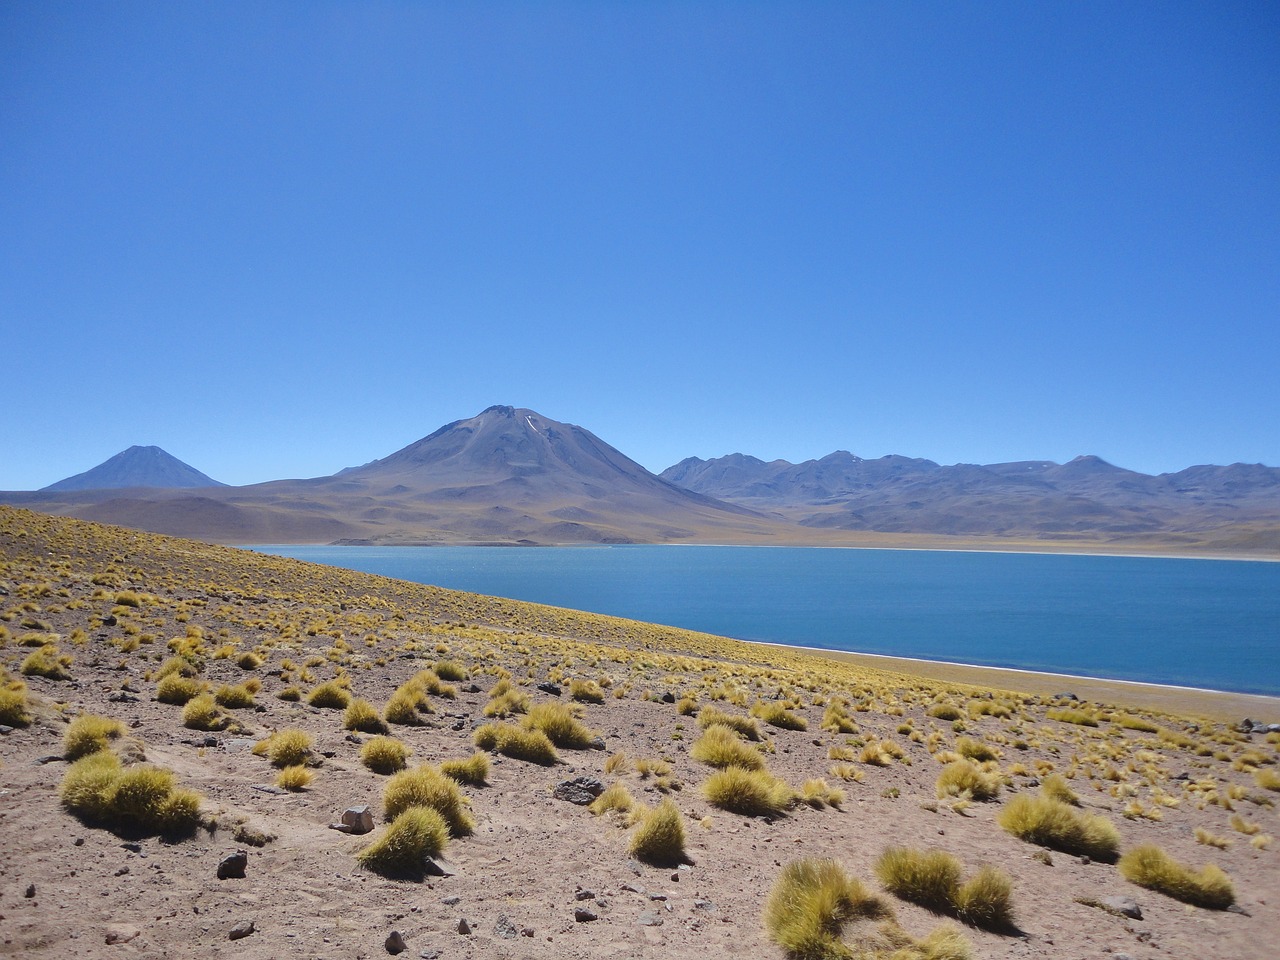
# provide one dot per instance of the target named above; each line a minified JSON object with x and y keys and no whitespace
{"x":137,"y":467}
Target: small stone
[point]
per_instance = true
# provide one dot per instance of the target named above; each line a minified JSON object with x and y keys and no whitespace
{"x":241,"y":930}
{"x":675,"y":878}
{"x":232,"y":867}
{"x":549,"y":687}
{"x":585,"y":895}
{"x":395,"y":943}
{"x":79,"y":841}
{"x":122,"y":871}
{"x":505,"y":929}
{"x":132,"y":847}
{"x":1123,"y":906}
{"x":463,"y":927}
{"x":649,"y":919}
{"x":583,"y":915}
{"x":31,"y":891}
{"x":438,"y":867}
{"x":580,"y":790}
{"x":119,"y":933}
{"x":668,"y":697}
{"x":451,"y":901}
{"x":357,"y":819}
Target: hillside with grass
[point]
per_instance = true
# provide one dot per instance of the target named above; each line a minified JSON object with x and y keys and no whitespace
{"x":186,"y":727}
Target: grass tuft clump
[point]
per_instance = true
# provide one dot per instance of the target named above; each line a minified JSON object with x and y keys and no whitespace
{"x":178,"y":688}
{"x":330,"y":696}
{"x":46,"y":662}
{"x":659,"y":838}
{"x":286,"y":748}
{"x":238,"y":697}
{"x":450,"y":670}
{"x":1052,"y":823}
{"x":1055,"y":787}
{"x":202,"y":713}
{"x":931,"y":878}
{"x":586,"y":691}
{"x":776,"y":715}
{"x":966,"y":780}
{"x":809,"y":905}
{"x":89,"y":734}
{"x":532,"y":746}
{"x":710,"y":716}
{"x":13,"y":704}
{"x":506,"y":699}
{"x":615,"y":797}
{"x":141,"y":799}
{"x":426,"y":786}
{"x":402,"y":851}
{"x":294,"y":778}
{"x":384,"y":755}
{"x":560,"y":724}
{"x":473,"y":771}
{"x":1149,"y":866}
{"x":752,"y":793}
{"x":720,"y":747}
{"x":361,"y":715}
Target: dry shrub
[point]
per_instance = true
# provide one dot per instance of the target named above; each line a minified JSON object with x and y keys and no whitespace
{"x":285,"y":748}
{"x":178,"y":689}
{"x":384,"y":755}
{"x":927,"y":877}
{"x":402,"y":851}
{"x":964,"y":779}
{"x":752,"y":793}
{"x":473,"y":771}
{"x":13,"y":706}
{"x":202,"y":713}
{"x":615,"y":797}
{"x":776,"y":715}
{"x":659,"y":838}
{"x":710,"y":716}
{"x":329,"y":695}
{"x":294,"y":778}
{"x":89,"y":734}
{"x":361,"y":715}
{"x":586,"y":691}
{"x":426,"y":786}
{"x":1078,"y":717}
{"x":1055,"y":787}
{"x":405,"y":706}
{"x":817,"y":793}
{"x":1267,"y":779}
{"x":986,"y":900}
{"x":46,"y":662}
{"x":506,"y":699}
{"x":561,"y":726}
{"x":720,"y":747}
{"x":809,"y":905}
{"x":239,"y":697}
{"x":1051,"y":823}
{"x":532,"y":746}
{"x":450,"y":670}
{"x":98,"y":790}
{"x":945,"y":711}
{"x":1149,"y":866}
{"x":975,"y":750}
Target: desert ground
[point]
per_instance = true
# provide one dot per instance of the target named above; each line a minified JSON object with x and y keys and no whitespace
{"x":104,"y":631}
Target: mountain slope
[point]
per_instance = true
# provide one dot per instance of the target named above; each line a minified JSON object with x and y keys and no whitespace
{"x":137,"y":467}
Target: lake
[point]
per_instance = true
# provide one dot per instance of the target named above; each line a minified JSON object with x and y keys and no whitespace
{"x":1198,"y":623}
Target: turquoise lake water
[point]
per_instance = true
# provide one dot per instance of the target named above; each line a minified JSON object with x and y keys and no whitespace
{"x":1199,"y":623}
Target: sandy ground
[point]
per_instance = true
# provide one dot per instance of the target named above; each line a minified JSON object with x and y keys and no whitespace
{"x":67,"y":888}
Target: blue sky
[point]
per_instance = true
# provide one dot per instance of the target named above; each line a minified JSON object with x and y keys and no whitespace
{"x":281,"y":239}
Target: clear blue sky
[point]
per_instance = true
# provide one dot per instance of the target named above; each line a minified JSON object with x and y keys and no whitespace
{"x":280,"y":239}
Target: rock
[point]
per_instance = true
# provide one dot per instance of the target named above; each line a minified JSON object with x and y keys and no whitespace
{"x":463,"y":927}
{"x":1066,"y":696}
{"x":232,"y":867}
{"x":583,"y":915}
{"x":705,"y":905}
{"x":471,"y":688}
{"x":267,"y":788}
{"x":31,"y":891}
{"x":131,"y":846}
{"x":121,"y":697}
{"x":548,"y":687}
{"x":109,"y":620}
{"x":505,"y":929}
{"x":357,"y":819}
{"x":598,"y":744}
{"x":451,"y":901}
{"x":51,"y":758}
{"x":649,"y":919}
{"x":668,"y":697}
{"x":438,"y":867}
{"x":395,"y":943}
{"x":119,"y":933}
{"x":1236,"y":908}
{"x":579,"y":790}
{"x":241,"y":930}
{"x":584,"y":895}
{"x":1122,"y":906}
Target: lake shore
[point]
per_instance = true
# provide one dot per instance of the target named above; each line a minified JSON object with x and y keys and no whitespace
{"x":1221,"y":705}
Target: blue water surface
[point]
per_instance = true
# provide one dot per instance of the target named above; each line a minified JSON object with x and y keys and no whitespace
{"x":1200,"y":623}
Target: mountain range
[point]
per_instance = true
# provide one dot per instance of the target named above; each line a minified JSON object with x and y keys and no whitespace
{"x":512,"y":476}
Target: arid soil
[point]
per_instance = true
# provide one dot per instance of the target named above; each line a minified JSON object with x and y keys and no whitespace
{"x":121,"y":603}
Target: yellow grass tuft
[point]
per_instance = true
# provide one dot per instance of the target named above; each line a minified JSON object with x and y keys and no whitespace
{"x":752,"y":793}
{"x":401,"y":852}
{"x":659,"y":838}
{"x":1051,"y":823}
{"x":361,"y":715}
{"x":178,"y":688}
{"x":561,"y":726}
{"x":1149,"y":866}
{"x":966,"y":780}
{"x":615,"y":797}
{"x":710,"y":716}
{"x":532,"y":746}
{"x":720,"y":747}
{"x":294,"y":778}
{"x":809,"y":905}
{"x":98,"y":790}
{"x":384,"y":755}
{"x":425,"y":786}
{"x":776,"y":715}
{"x":286,"y":748}
{"x":202,"y":713}
{"x":473,"y":771}
{"x":586,"y":691}
{"x":330,"y":696}
{"x":89,"y":734}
